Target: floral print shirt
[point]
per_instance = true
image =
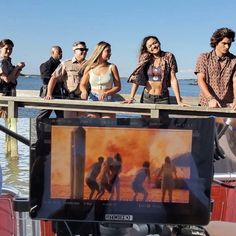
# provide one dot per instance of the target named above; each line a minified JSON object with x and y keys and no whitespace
{"x":218,"y":77}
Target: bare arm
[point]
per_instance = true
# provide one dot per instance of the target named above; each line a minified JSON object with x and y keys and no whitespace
{"x":116,"y":80}
{"x":175,"y":87}
{"x":57,"y":75}
{"x":51,"y":85}
{"x":133,"y":91}
{"x":84,"y":84}
{"x":233,"y":105}
{"x":212,"y":102}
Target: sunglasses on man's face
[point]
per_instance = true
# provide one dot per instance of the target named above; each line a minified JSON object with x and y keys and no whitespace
{"x":82,"y":49}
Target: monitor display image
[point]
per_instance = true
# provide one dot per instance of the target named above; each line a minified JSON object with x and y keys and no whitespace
{"x":97,"y":162}
{"x":123,"y":170}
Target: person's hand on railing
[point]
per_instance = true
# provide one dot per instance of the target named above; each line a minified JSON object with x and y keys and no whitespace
{"x":182,"y":104}
{"x":84,"y":95}
{"x":213,"y":103}
{"x":103,"y":96}
{"x":233,"y":105}
{"x":48,"y":97}
{"x":130,"y":100}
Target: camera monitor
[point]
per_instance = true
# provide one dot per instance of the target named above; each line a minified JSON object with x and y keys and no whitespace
{"x":130,"y":170}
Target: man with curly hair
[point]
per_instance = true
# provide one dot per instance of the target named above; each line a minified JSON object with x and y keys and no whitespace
{"x":216,"y":72}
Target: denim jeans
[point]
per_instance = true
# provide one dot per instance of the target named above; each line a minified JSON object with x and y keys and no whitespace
{"x":95,"y":97}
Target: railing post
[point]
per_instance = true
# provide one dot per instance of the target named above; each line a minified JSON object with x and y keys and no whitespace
{"x":12,"y":109}
{"x":11,"y":143}
{"x":155,"y":113}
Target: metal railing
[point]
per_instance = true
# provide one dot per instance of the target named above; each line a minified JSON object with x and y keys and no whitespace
{"x":152,"y":110}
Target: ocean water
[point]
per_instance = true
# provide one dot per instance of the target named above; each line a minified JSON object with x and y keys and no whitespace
{"x":16,"y":170}
{"x":187,"y":86}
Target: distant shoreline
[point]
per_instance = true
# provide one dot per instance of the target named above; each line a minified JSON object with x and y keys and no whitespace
{"x":35,"y":75}
{"x":29,"y":75}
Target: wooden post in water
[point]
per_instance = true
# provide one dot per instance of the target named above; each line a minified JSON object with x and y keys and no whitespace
{"x":11,"y":143}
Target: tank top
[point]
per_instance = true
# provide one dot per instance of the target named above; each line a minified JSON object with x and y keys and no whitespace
{"x":104,"y":81}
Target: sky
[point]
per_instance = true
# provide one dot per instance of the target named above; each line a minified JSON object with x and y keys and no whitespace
{"x":184,"y":27}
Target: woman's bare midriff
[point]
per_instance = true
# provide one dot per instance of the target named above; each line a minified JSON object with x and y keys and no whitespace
{"x":99,"y":91}
{"x":154,"y":88}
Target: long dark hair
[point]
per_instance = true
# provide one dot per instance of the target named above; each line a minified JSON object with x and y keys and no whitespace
{"x":143,"y":47}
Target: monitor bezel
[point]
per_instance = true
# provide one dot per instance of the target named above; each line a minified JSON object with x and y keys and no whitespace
{"x":197,"y":211}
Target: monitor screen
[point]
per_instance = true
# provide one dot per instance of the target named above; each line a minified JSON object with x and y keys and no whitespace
{"x":122,"y":170}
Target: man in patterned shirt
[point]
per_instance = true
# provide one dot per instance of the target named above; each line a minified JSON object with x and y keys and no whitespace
{"x":216,"y":72}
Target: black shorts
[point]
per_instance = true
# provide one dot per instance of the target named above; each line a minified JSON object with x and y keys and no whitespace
{"x":155,"y":99}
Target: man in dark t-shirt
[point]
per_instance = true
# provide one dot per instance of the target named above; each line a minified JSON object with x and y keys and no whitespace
{"x":46,"y":70}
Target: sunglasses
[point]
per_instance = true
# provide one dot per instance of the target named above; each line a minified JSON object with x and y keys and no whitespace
{"x":82,"y":49}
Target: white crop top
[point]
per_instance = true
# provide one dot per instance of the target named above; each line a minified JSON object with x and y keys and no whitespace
{"x":104,"y":81}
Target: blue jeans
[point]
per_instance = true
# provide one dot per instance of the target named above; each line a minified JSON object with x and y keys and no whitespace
{"x":93,"y":96}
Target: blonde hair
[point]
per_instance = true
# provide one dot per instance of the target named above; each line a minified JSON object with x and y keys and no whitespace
{"x":93,"y":60}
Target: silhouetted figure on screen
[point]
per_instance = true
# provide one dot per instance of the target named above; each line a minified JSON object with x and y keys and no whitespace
{"x":168,"y":173}
{"x":140,"y":177}
{"x":115,"y":179}
{"x":105,"y":177}
{"x":92,"y":176}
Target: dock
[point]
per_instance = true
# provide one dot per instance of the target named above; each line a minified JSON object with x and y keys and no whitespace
{"x":30,"y":99}
{"x":223,"y":198}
